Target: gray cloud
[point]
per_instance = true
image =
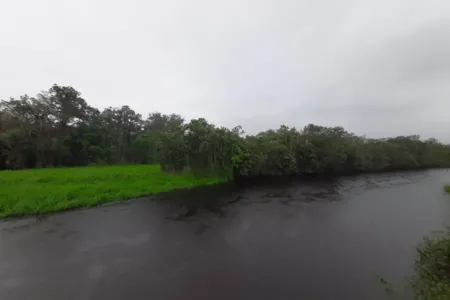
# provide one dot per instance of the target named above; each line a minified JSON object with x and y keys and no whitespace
{"x":375,"y":67}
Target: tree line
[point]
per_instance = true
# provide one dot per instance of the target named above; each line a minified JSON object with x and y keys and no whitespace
{"x":58,"y":128}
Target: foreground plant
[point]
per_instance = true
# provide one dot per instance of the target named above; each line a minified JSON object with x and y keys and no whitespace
{"x":432,"y":269}
{"x":447,"y":188}
{"x":388,"y":288}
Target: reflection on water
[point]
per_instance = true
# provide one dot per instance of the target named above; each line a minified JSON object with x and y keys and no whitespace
{"x":313,"y":239}
{"x":291,"y":193}
{"x":216,"y":199}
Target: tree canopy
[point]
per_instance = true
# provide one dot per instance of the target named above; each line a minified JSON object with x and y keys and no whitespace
{"x":58,"y":128}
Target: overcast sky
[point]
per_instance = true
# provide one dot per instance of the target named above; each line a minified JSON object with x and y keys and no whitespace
{"x":379,"y":67}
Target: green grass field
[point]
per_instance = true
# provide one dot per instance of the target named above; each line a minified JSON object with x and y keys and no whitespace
{"x":39,"y":191}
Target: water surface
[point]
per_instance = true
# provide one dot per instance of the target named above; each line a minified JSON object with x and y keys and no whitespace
{"x":298,"y":240}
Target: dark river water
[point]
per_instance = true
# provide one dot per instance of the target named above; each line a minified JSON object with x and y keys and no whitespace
{"x":299,"y":240}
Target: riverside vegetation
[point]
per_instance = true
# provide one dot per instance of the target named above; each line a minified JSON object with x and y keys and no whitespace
{"x":447,"y":188}
{"x":431,"y":279}
{"x":57,"y":128}
{"x":432,"y":269}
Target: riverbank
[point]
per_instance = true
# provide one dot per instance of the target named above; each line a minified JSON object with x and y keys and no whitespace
{"x":38,"y":191}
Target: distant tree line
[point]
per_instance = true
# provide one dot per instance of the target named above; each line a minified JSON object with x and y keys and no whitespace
{"x":58,"y":128}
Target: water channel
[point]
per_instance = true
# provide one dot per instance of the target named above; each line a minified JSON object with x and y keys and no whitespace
{"x":315,"y":239}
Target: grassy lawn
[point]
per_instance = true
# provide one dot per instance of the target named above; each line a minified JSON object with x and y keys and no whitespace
{"x":46,"y":190}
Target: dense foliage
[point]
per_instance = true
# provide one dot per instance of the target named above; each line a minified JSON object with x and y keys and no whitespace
{"x":58,"y":128}
{"x":432,"y":266}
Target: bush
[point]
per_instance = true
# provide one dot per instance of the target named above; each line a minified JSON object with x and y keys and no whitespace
{"x":447,"y":188}
{"x":432,"y":266}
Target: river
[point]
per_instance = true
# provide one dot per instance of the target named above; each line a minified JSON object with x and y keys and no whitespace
{"x":298,"y":240}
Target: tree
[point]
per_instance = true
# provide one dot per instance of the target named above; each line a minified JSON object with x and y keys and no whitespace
{"x":58,"y":128}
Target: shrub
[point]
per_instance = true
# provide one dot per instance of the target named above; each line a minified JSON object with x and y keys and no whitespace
{"x":432,"y":269}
